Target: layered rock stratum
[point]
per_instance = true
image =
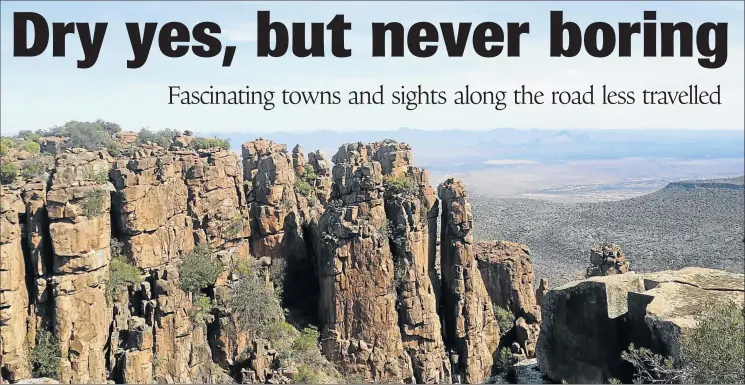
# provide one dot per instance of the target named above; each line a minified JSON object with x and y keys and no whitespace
{"x":382,"y":264}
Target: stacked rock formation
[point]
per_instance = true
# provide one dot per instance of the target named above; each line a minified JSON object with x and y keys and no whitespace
{"x":359,"y":241}
{"x":508,"y":275}
{"x":587,"y":324}
{"x":13,"y":294}
{"x":78,"y":205}
{"x":356,"y":273}
{"x":607,"y":259}
{"x":470,"y":327}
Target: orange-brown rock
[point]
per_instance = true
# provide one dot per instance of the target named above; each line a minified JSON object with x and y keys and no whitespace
{"x":78,"y":204}
{"x":13,"y":294}
{"x":470,"y":326}
{"x":151,"y":206}
{"x":126,"y":137}
{"x":408,"y":220}
{"x":357,"y":274}
{"x":507,"y":272}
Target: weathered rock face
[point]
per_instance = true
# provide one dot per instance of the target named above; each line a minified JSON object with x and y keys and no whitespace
{"x":607,"y":259}
{"x":51,"y":145}
{"x":541,"y":291}
{"x":508,"y":275}
{"x":78,"y":204}
{"x":356,"y":272}
{"x":13,"y":293}
{"x":587,"y":324}
{"x":268,"y":170}
{"x":323,"y":176}
{"x":151,"y":206}
{"x":470,"y":327}
{"x":408,"y":221}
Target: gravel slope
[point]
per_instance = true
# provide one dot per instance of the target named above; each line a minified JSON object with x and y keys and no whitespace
{"x":668,"y":229}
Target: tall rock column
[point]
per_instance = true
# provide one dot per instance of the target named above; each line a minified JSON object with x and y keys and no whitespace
{"x":358,"y":297}
{"x":408,"y":220}
{"x":78,"y":205}
{"x":13,"y":293}
{"x":471,"y":330}
{"x":39,"y":256}
{"x":268,"y":170}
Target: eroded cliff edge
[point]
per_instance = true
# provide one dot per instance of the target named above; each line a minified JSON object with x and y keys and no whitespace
{"x":357,"y":243}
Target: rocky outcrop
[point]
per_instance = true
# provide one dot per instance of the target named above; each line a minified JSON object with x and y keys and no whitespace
{"x":51,"y":145}
{"x":322,"y":170}
{"x":508,"y":275}
{"x":607,"y":259}
{"x":541,"y":291}
{"x":470,"y":327}
{"x":358,"y":298}
{"x":270,"y":176}
{"x":408,"y":221}
{"x":14,"y":299}
{"x":587,"y":324}
{"x":78,"y":204}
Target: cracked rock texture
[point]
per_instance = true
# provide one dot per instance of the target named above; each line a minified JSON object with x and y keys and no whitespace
{"x":586,"y":324}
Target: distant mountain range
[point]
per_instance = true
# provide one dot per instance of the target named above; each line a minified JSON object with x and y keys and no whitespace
{"x":460,"y":148}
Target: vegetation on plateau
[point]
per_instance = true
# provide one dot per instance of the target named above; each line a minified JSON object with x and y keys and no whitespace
{"x":713,"y":352}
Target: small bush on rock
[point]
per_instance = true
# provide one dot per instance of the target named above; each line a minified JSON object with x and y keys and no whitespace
{"x":8,"y":172}
{"x":403,"y":184}
{"x":45,"y":357}
{"x":201,"y":306}
{"x":505,"y":318}
{"x":93,"y":202}
{"x":206,"y":143}
{"x":5,"y":145}
{"x":713,"y":352}
{"x":35,"y":167}
{"x":122,"y":274}
{"x":30,"y":146}
{"x":199,"y":269}
{"x":255,"y":304}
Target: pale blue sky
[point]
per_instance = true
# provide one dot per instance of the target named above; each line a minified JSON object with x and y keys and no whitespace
{"x":44,"y":91}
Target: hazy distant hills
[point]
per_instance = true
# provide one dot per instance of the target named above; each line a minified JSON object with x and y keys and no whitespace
{"x":696,"y":223}
{"x":456,"y":149}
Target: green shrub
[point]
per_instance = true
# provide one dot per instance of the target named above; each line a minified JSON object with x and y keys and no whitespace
{"x":712,"y":352}
{"x":31,"y":147}
{"x":201,"y":306}
{"x":28,"y":135}
{"x":307,"y":341}
{"x":122,"y":274}
{"x":303,"y":188}
{"x":306,"y":375}
{"x":162,"y":138}
{"x":506,"y":363}
{"x":89,"y":135}
{"x":305,"y":183}
{"x":99,"y":177}
{"x":205,"y":143}
{"x":5,"y":145}
{"x":403,"y":184}
{"x":34,"y":168}
{"x":259,"y":311}
{"x":277,"y":275}
{"x":45,"y":357}
{"x":234,"y":227}
{"x":505,"y":318}
{"x":93,"y":202}
{"x":114,"y":149}
{"x":8,"y":172}
{"x":199,"y":269}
